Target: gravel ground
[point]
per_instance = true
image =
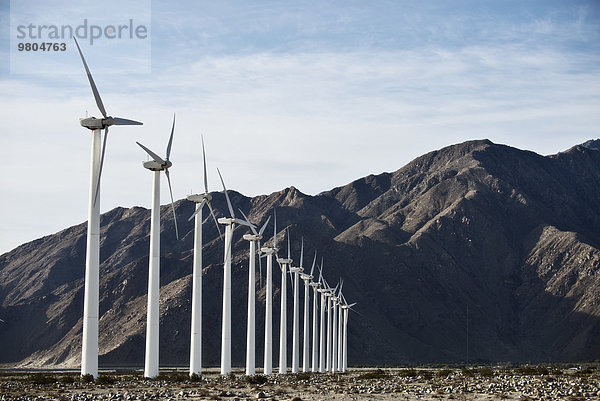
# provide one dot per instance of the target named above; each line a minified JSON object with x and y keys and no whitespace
{"x":357,"y":384}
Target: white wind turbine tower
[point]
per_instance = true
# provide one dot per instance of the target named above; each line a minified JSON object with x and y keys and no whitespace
{"x":284,"y":264}
{"x":253,"y":239}
{"x":305,"y":345}
{"x":345,"y":308}
{"x":315,"y":348}
{"x":338,"y":305}
{"x":156,"y":165}
{"x":296,"y":323}
{"x":334,"y":332}
{"x":229,"y":223}
{"x":196,"y":329}
{"x":268,"y":252}
{"x":322,"y":289}
{"x":329,"y":293}
{"x":89,"y":342}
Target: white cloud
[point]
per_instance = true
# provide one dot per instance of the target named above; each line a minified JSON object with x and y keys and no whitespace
{"x":315,"y":118}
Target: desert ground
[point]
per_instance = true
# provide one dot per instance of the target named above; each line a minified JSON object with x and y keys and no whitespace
{"x":483,"y":383}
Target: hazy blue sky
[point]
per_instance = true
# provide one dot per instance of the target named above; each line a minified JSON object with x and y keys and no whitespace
{"x":313,"y":94}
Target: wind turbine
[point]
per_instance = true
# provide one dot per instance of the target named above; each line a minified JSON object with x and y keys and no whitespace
{"x":305,"y":345}
{"x":284,"y":264}
{"x":315,"y":286}
{"x":229,"y":223}
{"x":334,"y":332}
{"x":329,"y":293}
{"x":89,"y":342}
{"x":196,"y":330}
{"x":338,"y":305}
{"x":268,"y":252}
{"x":253,"y":239}
{"x":156,"y":165}
{"x":296,"y":324}
{"x":321,"y":289}
{"x":346,"y":308}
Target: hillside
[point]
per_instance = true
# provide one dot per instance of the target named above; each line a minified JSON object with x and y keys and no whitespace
{"x":477,"y":250}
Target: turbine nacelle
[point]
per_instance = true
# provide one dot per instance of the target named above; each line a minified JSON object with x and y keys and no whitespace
{"x":153,"y":165}
{"x":305,"y":277}
{"x":94,"y":123}
{"x":294,"y":269}
{"x":198,"y":198}
{"x":252,"y":237}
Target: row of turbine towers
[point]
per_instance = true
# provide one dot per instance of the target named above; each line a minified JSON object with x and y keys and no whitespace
{"x":329,"y":340}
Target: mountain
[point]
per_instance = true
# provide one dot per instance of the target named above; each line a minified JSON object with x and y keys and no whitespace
{"x":476,"y":251}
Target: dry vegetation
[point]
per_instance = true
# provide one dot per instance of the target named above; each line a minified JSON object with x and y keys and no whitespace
{"x":481,"y":383}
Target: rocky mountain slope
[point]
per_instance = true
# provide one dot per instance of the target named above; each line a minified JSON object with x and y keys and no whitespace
{"x":477,"y":251}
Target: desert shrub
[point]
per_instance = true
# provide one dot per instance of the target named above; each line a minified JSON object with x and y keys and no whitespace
{"x":408,"y":373}
{"x":425,"y":374}
{"x":486,"y":372}
{"x":177,"y":377}
{"x":444,"y":372}
{"x":532,"y":370}
{"x":41,"y":378}
{"x":256,"y":379}
{"x":194,"y":377}
{"x":584,"y":372}
{"x":106,"y":379}
{"x":302,"y":376}
{"x":374,"y":374}
{"x":67,"y":379}
{"x":87,"y":378}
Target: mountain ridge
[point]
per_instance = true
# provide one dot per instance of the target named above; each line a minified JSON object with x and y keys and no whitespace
{"x":509,"y":235}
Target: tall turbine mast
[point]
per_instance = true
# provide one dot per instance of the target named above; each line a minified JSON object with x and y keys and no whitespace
{"x":322,"y":289}
{"x":254,"y":240}
{"x":229,"y":223}
{"x":284,"y":264}
{"x":196,"y":330}
{"x":306,"y":278}
{"x":315,"y":347}
{"x":296,"y":325}
{"x":268,"y":252}
{"x":89,"y":342}
{"x":156,"y":165}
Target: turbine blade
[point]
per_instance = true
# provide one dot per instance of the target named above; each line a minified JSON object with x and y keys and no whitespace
{"x":233,"y":228}
{"x":124,"y":121}
{"x":172,"y":203}
{"x":171,"y":138}
{"x":262,"y":229}
{"x":249,"y":224}
{"x":302,"y":252}
{"x":204,"y":161}
{"x":92,"y":84}
{"x":312,"y":269}
{"x":101,"y":164}
{"x":275,"y":229}
{"x":259,"y":267}
{"x":212,"y":213}
{"x":153,"y":155}
{"x":226,"y":196}
{"x":351,"y":305}
{"x":341,"y":284}
{"x":321,"y":270}
{"x":198,"y":208}
{"x":288,"y":241}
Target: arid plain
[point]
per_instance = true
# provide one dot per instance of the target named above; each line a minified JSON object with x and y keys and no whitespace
{"x":486,"y":383}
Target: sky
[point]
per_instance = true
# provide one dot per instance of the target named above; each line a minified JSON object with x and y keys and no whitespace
{"x":313,"y":94}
